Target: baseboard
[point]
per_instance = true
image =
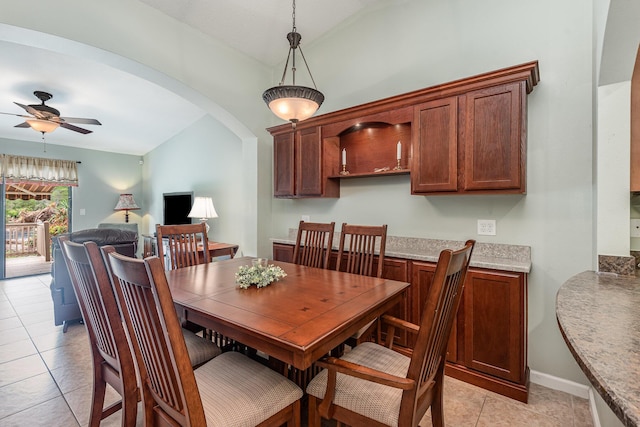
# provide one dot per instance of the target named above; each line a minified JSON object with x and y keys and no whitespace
{"x":573,"y":388}
{"x":594,"y":410}
{"x":560,"y":384}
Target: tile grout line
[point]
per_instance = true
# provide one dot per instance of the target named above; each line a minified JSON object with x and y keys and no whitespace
{"x":8,"y":298}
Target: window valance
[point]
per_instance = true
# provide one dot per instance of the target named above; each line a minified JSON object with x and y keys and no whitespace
{"x":36,"y":170}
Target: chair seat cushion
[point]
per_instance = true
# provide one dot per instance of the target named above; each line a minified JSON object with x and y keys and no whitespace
{"x":376,"y":401}
{"x":239,"y":392}
{"x":200,"y":350}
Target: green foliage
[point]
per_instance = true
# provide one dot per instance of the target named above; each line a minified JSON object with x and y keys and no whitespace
{"x":258,"y":275}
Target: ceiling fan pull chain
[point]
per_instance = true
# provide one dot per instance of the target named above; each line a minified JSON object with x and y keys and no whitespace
{"x":44,"y":142}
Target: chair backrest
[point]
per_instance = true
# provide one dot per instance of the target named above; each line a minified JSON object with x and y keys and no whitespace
{"x":186,"y":244}
{"x":313,"y":244}
{"x":362,"y":242}
{"x":168,"y":384}
{"x":99,"y":308}
{"x":439,"y":312}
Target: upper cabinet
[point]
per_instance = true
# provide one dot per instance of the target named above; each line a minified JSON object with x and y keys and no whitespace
{"x":302,"y":164}
{"x":463,"y":137}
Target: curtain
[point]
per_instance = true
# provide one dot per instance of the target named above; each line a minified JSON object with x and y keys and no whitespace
{"x":36,"y":170}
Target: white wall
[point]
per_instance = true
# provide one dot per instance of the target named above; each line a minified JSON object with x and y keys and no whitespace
{"x":422,"y":43}
{"x":614,"y":113}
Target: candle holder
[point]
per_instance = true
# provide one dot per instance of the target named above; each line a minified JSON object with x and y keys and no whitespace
{"x":398,"y":167}
{"x":344,"y":170}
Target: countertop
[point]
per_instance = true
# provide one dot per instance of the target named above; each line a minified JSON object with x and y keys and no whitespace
{"x":495,"y":256}
{"x":599,"y":317}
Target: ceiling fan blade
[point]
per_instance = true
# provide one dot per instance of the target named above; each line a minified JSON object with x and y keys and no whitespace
{"x":17,"y":115}
{"x":29,"y":109}
{"x":81,"y":120}
{"x":22,"y":125}
{"x":75,"y":128}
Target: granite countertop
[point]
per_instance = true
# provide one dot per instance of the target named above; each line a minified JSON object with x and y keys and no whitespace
{"x":495,"y":256}
{"x":599,"y":317}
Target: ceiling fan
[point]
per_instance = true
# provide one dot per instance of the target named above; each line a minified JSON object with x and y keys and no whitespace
{"x":47,"y":119}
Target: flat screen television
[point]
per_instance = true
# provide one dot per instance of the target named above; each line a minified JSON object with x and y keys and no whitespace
{"x":177,"y":207}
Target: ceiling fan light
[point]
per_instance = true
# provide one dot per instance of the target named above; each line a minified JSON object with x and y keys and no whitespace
{"x":43,"y":126}
{"x":293,"y":103}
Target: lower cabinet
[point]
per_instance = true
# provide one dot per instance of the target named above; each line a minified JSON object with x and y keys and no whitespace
{"x":488,"y":344}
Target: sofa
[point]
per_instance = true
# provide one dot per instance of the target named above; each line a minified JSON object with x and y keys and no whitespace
{"x":65,"y":304}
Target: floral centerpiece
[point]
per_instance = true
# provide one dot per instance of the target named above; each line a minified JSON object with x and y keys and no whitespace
{"x":260,"y":274}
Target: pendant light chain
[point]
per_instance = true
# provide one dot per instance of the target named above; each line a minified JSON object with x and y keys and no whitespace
{"x":292,"y":102}
{"x":293,"y":15}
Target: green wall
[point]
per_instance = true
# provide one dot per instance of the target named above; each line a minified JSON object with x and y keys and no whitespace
{"x":102,"y":176}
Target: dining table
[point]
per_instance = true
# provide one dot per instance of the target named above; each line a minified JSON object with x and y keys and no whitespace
{"x":295,"y":320}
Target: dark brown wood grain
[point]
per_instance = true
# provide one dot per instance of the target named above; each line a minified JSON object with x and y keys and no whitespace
{"x":296,"y":320}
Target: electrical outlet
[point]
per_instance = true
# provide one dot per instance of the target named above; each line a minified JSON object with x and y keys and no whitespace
{"x":305,"y":218}
{"x":487,"y":227}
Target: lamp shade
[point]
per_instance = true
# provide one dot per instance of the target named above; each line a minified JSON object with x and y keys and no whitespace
{"x":126,"y":203}
{"x":293,"y":103}
{"x":43,"y":126}
{"x":203,"y":208}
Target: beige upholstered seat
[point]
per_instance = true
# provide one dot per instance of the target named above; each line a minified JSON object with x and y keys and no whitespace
{"x":112,"y":358}
{"x":376,"y":384}
{"x":230,"y":390}
{"x":376,"y":401}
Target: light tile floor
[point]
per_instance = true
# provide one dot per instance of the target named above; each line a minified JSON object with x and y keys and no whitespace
{"x":45,"y":376}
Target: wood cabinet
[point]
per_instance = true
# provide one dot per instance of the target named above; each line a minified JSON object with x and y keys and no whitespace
{"x":435,"y":147}
{"x":302,"y":163}
{"x":492,"y":333}
{"x":493,"y":138}
{"x":282,"y":252}
{"x":471,"y":143}
{"x":488,"y":343}
{"x":465,"y":137}
{"x":495,"y":321}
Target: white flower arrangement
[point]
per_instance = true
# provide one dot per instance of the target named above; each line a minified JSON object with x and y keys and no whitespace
{"x":258,"y":275}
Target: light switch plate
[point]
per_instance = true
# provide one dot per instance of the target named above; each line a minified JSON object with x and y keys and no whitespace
{"x":487,"y":227}
{"x":635,"y":228}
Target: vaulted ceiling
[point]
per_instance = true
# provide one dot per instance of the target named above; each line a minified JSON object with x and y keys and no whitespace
{"x":140,"y":115}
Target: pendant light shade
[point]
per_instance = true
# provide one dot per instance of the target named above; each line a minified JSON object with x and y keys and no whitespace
{"x":291,"y":102}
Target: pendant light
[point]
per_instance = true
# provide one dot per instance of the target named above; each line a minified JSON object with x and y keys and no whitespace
{"x":291,"y":102}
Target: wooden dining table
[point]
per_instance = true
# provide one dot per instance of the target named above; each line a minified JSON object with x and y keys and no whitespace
{"x":296,"y":320}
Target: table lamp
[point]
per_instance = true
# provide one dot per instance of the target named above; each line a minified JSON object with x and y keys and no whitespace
{"x":203,"y":208}
{"x":126,"y":204}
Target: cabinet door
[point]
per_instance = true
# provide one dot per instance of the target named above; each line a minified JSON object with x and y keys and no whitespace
{"x":309,"y":162}
{"x":434,"y":165}
{"x":421,"y":280}
{"x":398,"y":269}
{"x":282,"y":252}
{"x":493,"y":138}
{"x":495,"y":325}
{"x":283,"y":165}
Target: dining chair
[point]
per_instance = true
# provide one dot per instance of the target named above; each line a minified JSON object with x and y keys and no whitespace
{"x":185,"y":245}
{"x":376,"y":384}
{"x":231,"y":389}
{"x":356,"y":254}
{"x":112,"y":360}
{"x":313,"y":244}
